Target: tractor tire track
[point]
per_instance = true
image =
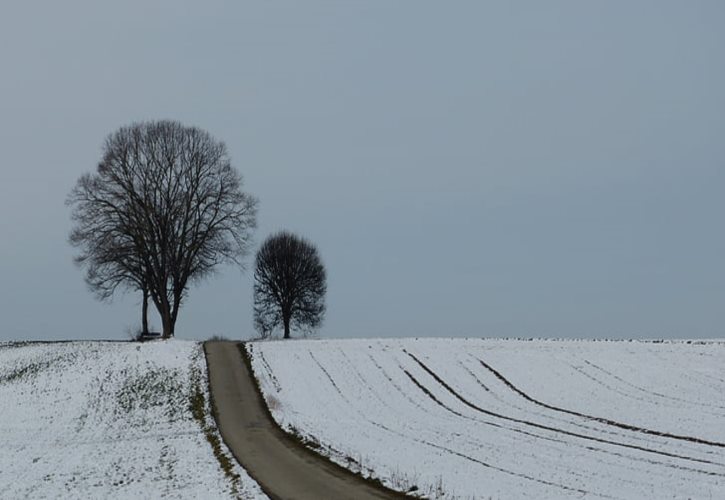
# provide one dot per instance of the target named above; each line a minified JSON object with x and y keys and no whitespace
{"x":642,"y":398}
{"x":654,"y":393}
{"x":572,"y":422}
{"x":563,"y":431}
{"x":660,"y":463}
{"x":602,"y":420}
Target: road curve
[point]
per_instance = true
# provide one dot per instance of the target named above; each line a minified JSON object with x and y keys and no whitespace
{"x":283,"y":468}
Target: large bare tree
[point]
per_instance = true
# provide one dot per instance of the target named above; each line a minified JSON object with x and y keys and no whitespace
{"x":162,"y":210}
{"x":289,"y":285}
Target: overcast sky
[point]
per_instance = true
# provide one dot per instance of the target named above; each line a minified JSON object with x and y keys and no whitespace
{"x":466,"y":168}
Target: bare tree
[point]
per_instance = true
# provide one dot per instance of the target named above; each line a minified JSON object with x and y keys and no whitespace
{"x":163,"y":209}
{"x":289,"y":285}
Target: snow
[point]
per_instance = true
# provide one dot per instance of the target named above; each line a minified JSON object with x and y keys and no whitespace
{"x":109,"y":419}
{"x":491,"y":418}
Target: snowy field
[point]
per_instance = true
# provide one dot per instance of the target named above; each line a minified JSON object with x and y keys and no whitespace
{"x":506,"y":418}
{"x":111,"y":420}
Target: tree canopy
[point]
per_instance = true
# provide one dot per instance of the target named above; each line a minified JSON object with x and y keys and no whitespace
{"x":290,"y":282}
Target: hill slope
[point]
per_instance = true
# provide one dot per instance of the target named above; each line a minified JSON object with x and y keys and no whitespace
{"x":508,"y":419}
{"x":105,"y":419}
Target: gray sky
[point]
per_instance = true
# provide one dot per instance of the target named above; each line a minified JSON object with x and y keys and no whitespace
{"x":465,"y":168}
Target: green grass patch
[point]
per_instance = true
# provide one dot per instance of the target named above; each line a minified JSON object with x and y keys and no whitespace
{"x":153,"y":388}
{"x":29,"y":370}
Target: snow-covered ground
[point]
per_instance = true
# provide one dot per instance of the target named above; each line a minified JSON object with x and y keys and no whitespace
{"x":111,"y":420}
{"x":506,"y":418}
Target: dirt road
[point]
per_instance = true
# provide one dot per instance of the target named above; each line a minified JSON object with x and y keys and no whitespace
{"x":283,"y":468}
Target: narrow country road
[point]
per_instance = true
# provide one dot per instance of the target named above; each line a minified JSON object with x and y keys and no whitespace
{"x":283,"y":468}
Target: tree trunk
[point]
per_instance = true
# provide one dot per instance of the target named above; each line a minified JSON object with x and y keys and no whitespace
{"x":167,"y":325}
{"x":286,"y":328}
{"x":175,"y":311}
{"x":167,"y":320}
{"x":145,"y":311}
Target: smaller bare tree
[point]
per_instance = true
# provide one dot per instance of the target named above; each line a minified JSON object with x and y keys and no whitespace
{"x":289,"y":285}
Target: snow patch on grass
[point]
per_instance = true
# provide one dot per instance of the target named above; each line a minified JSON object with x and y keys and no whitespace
{"x":105,"y":419}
